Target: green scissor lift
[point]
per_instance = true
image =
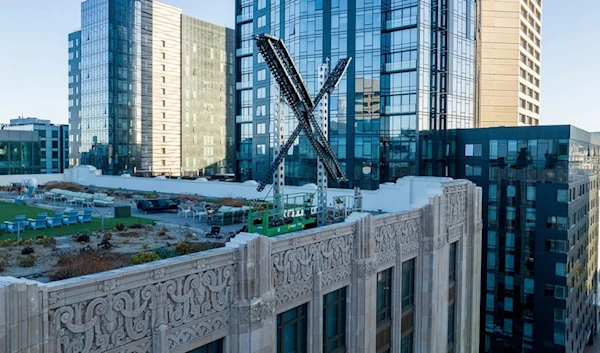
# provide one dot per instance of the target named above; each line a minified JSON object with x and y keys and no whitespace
{"x":297,"y":213}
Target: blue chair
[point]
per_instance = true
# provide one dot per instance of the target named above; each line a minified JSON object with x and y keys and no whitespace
{"x":86,"y":217}
{"x":55,"y":221}
{"x":17,"y":225}
{"x":71,"y":218}
{"x":39,"y":222}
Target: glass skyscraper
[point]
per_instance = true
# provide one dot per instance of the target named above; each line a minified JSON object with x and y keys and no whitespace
{"x":540,"y":232}
{"x":127,"y":67}
{"x":412,"y":70}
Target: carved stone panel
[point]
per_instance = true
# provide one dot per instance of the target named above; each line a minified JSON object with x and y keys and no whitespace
{"x":123,"y":321}
{"x":456,"y":203}
{"x":407,"y":233}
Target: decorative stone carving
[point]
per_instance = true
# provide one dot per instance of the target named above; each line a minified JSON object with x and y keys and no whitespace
{"x":406,"y":232}
{"x":262,"y":310}
{"x":55,"y":297}
{"x":234,"y":256}
{"x":197,"y":329}
{"x":427,"y":244}
{"x":117,"y":321}
{"x":478,"y":227}
{"x":366,"y":268}
{"x":409,"y":250}
{"x":331,"y":278}
{"x":157,"y":274}
{"x":385,"y":259}
{"x":455,"y":232}
{"x":439,"y":242}
{"x":199,"y":264}
{"x":456,"y":203}
{"x":293,"y":269}
{"x":109,"y":285}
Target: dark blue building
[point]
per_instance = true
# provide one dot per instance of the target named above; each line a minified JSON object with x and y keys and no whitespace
{"x":540,"y":197}
{"x":412,"y":70}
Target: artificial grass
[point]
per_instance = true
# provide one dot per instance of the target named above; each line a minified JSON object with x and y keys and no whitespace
{"x":8,"y":211}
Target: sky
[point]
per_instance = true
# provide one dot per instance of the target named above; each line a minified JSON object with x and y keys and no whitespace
{"x":33,"y":62}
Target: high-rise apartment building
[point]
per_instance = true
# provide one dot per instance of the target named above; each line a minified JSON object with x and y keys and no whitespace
{"x":412,"y":70}
{"x":52,"y":142}
{"x":127,"y":106}
{"x":508,"y":62}
{"x":540,"y":233}
{"x":207,"y":84}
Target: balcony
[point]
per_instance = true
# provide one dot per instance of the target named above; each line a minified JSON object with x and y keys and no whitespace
{"x":244,"y":51}
{"x":243,"y":85}
{"x":243,"y":18}
{"x":391,"y":25}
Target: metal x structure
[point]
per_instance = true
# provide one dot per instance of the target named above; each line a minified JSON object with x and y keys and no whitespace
{"x":296,"y":95}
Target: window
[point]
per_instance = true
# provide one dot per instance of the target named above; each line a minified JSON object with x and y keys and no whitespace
{"x":492,"y":215}
{"x":452,"y":263}
{"x":491,"y":260}
{"x":511,"y":191}
{"x":510,"y":241}
{"x":164,"y":44}
{"x":531,"y":193}
{"x":508,"y":326}
{"x":451,"y":330}
{"x":164,"y":79}
{"x":472,"y":170}
{"x":163,"y":55}
{"x":261,"y":93}
{"x":261,"y":75}
{"x":261,"y":149}
{"x":384,"y":311}
{"x":560,"y":292}
{"x":508,"y":304}
{"x":493,"y":192}
{"x":491,"y":281}
{"x":408,"y":289}
{"x":334,"y":321}
{"x":559,"y":269}
{"x":509,"y":263}
{"x":509,"y":282}
{"x":555,"y":245}
{"x":529,"y":285}
{"x":473,"y":150}
{"x":559,"y":336}
{"x":561,"y":195}
{"x":164,"y":68}
{"x":527,"y":330}
{"x":559,"y":314}
{"x":213,"y":347}
{"x":262,"y":21}
{"x":164,"y":151}
{"x":489,"y":301}
{"x":292,"y":330}
{"x":261,"y":128}
{"x":261,"y":4}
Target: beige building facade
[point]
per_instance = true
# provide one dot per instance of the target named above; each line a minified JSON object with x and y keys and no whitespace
{"x":405,"y":281}
{"x":161,"y":151}
{"x":508,"y":63}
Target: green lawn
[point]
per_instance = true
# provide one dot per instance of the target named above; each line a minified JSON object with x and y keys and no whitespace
{"x":8,"y":211}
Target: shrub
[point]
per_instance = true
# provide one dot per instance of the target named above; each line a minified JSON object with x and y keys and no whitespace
{"x":191,"y":236}
{"x":85,"y":263}
{"x":163,"y":231}
{"x":2,"y":265}
{"x":232,"y":201}
{"x":64,"y":186}
{"x":6,"y":243}
{"x":82,"y":238}
{"x":125,"y":241}
{"x":151,"y":195}
{"x":148,"y":227}
{"x":45,"y":240}
{"x":120,"y":227}
{"x":186,"y":197}
{"x":165,"y":253}
{"x":25,"y":242}
{"x":27,"y":250}
{"x":28,"y":261}
{"x":143,"y":256}
{"x":107,"y":236}
{"x":137,"y":225}
{"x":185,"y":247}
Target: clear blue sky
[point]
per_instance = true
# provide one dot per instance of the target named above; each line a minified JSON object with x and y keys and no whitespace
{"x":33,"y":62}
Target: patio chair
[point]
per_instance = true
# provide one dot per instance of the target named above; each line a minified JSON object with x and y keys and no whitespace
{"x":17,"y":225}
{"x":200,"y":212}
{"x":86,"y":217}
{"x":71,"y":218}
{"x":183,"y":210}
{"x":39,"y":222}
{"x":55,"y":221}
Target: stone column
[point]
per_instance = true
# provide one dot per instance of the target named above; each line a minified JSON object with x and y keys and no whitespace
{"x":23,"y":316}
{"x":253,"y":320}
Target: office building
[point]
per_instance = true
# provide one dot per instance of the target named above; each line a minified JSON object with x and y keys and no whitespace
{"x":404,"y":280}
{"x":540,"y":233}
{"x":126,"y":104}
{"x":508,"y":62}
{"x":207,"y":83}
{"x":53,"y":142}
{"x":19,"y":152}
{"x":412,"y":69}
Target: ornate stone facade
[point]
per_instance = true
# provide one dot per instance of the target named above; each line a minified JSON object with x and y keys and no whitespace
{"x":236,"y":293}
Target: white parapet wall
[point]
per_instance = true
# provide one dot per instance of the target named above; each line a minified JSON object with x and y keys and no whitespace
{"x":41,"y":178}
